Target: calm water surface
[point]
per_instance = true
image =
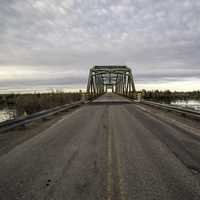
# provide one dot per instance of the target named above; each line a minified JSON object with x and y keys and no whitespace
{"x":6,"y":114}
{"x":192,"y":104}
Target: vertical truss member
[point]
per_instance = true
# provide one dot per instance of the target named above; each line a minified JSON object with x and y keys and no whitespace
{"x":117,"y":78}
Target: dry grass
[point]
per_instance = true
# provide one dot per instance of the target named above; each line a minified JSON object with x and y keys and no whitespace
{"x":31,"y":103}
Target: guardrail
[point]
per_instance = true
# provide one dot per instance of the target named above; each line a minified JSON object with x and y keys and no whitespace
{"x":11,"y":124}
{"x":182,"y":111}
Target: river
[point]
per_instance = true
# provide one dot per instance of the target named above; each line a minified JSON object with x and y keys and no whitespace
{"x":6,"y":114}
{"x":192,"y":104}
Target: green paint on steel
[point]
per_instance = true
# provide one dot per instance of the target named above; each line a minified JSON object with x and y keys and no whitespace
{"x":117,"y":78}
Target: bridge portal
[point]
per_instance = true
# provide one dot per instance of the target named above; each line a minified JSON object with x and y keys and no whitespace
{"x":118,"y":79}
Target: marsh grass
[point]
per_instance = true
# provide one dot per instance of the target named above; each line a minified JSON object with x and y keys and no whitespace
{"x":31,"y":103}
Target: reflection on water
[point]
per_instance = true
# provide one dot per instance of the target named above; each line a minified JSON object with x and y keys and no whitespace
{"x":6,"y":114}
{"x":192,"y":104}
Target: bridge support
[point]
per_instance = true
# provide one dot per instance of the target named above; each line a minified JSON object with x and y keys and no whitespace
{"x":117,"y":78}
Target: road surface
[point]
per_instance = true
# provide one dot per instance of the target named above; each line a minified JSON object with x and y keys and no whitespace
{"x":105,"y":151}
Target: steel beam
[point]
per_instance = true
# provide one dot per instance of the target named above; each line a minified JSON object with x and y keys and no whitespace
{"x":117,"y":78}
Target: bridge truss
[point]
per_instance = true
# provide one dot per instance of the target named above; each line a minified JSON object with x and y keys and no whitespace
{"x":118,"y":79}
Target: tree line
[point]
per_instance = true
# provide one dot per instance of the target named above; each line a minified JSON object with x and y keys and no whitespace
{"x":169,"y":95}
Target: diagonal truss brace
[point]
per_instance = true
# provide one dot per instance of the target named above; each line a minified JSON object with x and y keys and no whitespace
{"x":117,"y":78}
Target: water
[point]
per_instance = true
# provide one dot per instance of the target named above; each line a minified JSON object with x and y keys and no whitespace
{"x":7,"y":114}
{"x":192,"y":104}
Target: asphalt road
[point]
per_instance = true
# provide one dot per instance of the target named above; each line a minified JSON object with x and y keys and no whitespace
{"x":106,"y":150}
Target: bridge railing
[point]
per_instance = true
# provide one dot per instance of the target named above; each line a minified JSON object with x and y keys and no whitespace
{"x":11,"y":124}
{"x":194,"y":114}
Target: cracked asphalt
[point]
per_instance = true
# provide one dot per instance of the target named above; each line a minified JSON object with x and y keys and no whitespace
{"x":110,"y":149}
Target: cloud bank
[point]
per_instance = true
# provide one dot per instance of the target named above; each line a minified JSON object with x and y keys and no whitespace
{"x":55,"y":42}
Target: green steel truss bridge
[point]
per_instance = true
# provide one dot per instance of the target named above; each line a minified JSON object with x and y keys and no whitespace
{"x":118,"y":79}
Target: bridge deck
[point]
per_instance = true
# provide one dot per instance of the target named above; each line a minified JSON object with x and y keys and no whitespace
{"x":111,"y":98}
{"x":105,"y":151}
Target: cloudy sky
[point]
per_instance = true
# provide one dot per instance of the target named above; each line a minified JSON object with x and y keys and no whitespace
{"x":53,"y":43}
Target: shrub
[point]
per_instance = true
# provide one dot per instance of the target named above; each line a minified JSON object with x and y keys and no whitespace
{"x":31,"y":103}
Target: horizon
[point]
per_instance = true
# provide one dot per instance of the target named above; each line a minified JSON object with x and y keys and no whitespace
{"x":44,"y":90}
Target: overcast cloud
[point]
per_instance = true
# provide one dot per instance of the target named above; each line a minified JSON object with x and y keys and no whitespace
{"x":55,"y":42}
